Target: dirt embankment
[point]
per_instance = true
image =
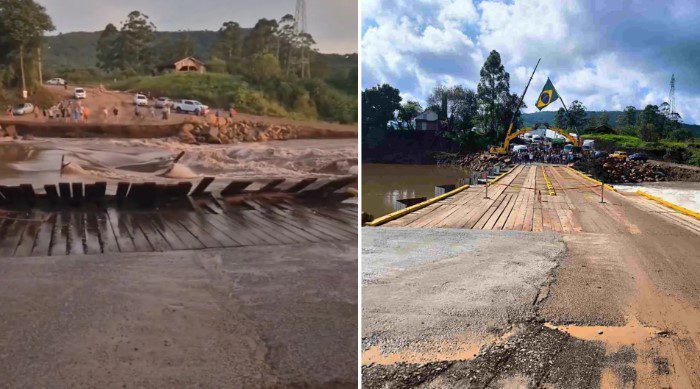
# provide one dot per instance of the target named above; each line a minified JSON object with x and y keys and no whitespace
{"x":616,"y":171}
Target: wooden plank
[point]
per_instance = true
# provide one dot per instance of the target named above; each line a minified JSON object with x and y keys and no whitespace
{"x":51,"y":194}
{"x":28,"y":240}
{"x":28,"y":194}
{"x":76,"y":233}
{"x":187,"y":239}
{"x":202,"y":186}
{"x":235,"y":230}
{"x":301,"y":185}
{"x":145,"y":223}
{"x":486,"y":216}
{"x":490,"y":224}
{"x":122,"y":191}
{"x":10,"y":235}
{"x":329,"y":187}
{"x":235,"y":187}
{"x":121,"y":228}
{"x":106,"y":233}
{"x":270,"y":186}
{"x":276,"y":230}
{"x":501,"y":222}
{"x":64,"y":190}
{"x":45,"y":236}
{"x":93,"y":240}
{"x":208,"y":238}
{"x":280,"y":220}
{"x":62,"y":237}
{"x":77,"y":193}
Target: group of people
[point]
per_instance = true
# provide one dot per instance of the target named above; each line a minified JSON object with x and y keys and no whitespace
{"x":69,"y":110}
{"x":547,"y":155}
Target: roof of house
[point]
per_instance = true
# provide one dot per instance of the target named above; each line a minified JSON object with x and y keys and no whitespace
{"x":173,"y":62}
{"x":427,"y":115}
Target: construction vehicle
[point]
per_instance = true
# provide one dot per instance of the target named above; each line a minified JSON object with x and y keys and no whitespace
{"x":619,"y":155}
{"x":503,"y":150}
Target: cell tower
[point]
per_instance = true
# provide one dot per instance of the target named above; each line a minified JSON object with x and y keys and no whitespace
{"x":301,"y":28}
{"x":672,"y":95}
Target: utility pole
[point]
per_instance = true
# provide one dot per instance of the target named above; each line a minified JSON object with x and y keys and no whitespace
{"x":21,"y":65}
{"x":300,"y":27}
{"x":41,"y":76}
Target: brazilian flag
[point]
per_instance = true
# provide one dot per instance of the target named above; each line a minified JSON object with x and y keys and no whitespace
{"x":548,"y":95}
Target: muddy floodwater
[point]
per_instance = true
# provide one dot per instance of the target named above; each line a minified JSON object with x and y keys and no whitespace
{"x":685,"y":194}
{"x":38,"y":161}
{"x":384,"y":183}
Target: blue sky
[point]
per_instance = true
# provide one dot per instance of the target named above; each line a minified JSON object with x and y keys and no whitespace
{"x":608,"y":54}
{"x":333,"y":23}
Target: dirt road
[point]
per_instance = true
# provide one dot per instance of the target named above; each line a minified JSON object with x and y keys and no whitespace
{"x":97,"y":100}
{"x":620,"y":307}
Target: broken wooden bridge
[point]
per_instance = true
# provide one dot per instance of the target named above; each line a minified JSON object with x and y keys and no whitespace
{"x":78,"y":218}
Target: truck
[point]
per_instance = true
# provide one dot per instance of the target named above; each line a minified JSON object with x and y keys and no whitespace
{"x":190,"y":106}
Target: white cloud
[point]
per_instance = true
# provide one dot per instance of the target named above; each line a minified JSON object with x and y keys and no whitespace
{"x":597,"y":54}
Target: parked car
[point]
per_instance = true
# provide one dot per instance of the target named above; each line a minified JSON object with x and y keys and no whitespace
{"x":56,"y":81}
{"x":190,"y":106}
{"x":638,"y":157}
{"x":600,"y":154}
{"x":140,"y":100}
{"x":80,"y":93}
{"x":23,"y":109}
{"x":568,"y":148}
{"x":619,"y":155}
{"x":163,"y":102}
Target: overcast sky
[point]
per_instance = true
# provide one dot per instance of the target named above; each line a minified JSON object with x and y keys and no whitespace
{"x":333,"y":23}
{"x":606,"y":53}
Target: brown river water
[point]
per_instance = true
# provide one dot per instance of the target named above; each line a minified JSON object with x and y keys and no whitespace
{"x":38,"y":161}
{"x":383,"y":183}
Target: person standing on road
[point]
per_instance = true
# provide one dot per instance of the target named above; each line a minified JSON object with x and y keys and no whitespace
{"x":153,"y":112}
{"x":86,"y":114}
{"x":166,"y":112}
{"x":232,"y":112}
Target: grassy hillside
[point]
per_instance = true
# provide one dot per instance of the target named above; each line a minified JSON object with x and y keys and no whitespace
{"x":303,"y":100}
{"x":548,"y":116}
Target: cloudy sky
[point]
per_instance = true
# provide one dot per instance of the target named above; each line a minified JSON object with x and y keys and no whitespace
{"x":606,"y":53}
{"x":333,"y":23}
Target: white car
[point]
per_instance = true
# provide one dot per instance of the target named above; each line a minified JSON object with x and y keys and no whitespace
{"x":140,"y":100}
{"x":190,"y":106}
{"x":163,"y":102}
{"x":56,"y":81}
{"x":80,"y":93}
{"x":22,"y":109}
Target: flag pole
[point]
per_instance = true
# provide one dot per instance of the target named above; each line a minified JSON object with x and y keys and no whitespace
{"x":522,"y":97}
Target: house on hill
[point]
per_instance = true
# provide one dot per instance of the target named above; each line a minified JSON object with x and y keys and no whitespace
{"x":427,"y":121}
{"x":189,"y":64}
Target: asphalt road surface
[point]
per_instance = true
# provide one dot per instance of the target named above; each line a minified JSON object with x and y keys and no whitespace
{"x":614,"y":303}
{"x":269,"y":316}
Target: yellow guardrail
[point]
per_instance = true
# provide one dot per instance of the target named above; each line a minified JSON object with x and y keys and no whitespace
{"x":402,"y":212}
{"x":678,"y":208}
{"x":592,"y":179}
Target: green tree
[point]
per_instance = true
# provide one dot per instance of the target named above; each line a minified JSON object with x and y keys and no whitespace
{"x":628,"y":117}
{"x":262,"y":38}
{"x":680,"y":135}
{"x":229,"y":45}
{"x":577,"y":116}
{"x":137,"y":34}
{"x":651,"y":123}
{"x":604,"y":119}
{"x":462,"y":105}
{"x":492,"y":91}
{"x":22,"y":27}
{"x":561,"y":119}
{"x":107,"y":51}
{"x":378,"y":106}
{"x":407,"y":112}
{"x":176,"y":49}
{"x":265,"y":67}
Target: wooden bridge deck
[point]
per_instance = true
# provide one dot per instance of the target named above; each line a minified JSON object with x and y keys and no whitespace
{"x":206,"y":221}
{"x":521,"y":201}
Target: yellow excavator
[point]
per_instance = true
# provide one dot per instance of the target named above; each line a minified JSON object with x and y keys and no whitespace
{"x":510,"y":135}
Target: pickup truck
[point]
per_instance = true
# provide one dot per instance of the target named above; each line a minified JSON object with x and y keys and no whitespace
{"x":619,"y":155}
{"x":190,"y":106}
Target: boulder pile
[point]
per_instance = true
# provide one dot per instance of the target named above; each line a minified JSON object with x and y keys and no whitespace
{"x":613,"y":171}
{"x":224,"y":131}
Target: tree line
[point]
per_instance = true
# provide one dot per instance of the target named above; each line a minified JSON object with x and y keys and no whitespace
{"x":473,"y":118}
{"x":651,"y":124}
{"x":270,"y":48}
{"x":476,"y":118}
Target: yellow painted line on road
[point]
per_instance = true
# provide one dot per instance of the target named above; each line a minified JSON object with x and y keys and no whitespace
{"x":402,"y":212}
{"x":550,"y":188}
{"x":591,"y":179}
{"x":678,"y":208}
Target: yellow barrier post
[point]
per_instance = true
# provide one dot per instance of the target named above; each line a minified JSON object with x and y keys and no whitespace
{"x":602,"y":188}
